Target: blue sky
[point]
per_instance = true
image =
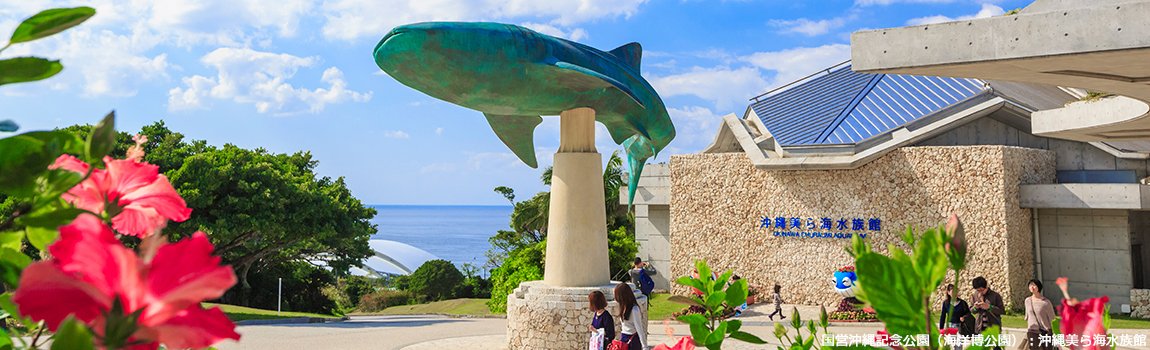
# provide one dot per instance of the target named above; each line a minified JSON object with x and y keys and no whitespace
{"x":297,"y":75}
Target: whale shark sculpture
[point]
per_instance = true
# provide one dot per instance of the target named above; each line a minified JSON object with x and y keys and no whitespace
{"x":514,"y":75}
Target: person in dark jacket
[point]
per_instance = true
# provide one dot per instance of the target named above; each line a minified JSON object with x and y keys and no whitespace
{"x":987,"y":308}
{"x":602,"y":318}
{"x":960,"y":318}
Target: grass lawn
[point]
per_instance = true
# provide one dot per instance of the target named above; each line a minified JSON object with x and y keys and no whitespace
{"x":240,"y":313}
{"x":661,"y":308}
{"x":457,"y":307}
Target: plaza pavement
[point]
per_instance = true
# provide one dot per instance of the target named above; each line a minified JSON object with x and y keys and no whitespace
{"x":439,"y":332}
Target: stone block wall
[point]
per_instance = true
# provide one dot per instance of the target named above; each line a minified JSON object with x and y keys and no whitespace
{"x":1140,"y":303}
{"x":541,"y":317}
{"x":718,"y":200}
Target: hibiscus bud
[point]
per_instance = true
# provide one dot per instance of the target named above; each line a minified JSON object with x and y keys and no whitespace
{"x":957,"y":236}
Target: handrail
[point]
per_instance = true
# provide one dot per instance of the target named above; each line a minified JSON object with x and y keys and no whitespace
{"x":827,"y":70}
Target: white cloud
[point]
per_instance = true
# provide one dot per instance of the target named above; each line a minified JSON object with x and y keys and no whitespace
{"x":439,"y":131}
{"x":396,"y":134}
{"x":795,"y":63}
{"x":357,"y":19}
{"x":728,"y":87}
{"x":114,"y":53}
{"x":695,"y":127}
{"x":261,"y":79}
{"x":574,"y":34}
{"x":987,"y":10}
{"x":725,"y":87}
{"x":808,"y":27}
{"x":223,"y":16}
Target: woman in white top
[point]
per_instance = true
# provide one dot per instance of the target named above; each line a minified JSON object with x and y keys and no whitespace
{"x":634,"y":328}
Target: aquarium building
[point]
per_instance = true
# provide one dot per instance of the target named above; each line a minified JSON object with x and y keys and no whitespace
{"x":1047,"y":178}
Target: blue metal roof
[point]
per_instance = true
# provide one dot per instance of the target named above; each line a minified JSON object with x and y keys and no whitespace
{"x":844,"y":106}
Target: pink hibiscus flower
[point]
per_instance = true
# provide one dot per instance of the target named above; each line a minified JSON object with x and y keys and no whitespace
{"x":685,"y":343}
{"x":1085,"y":318}
{"x":94,"y":278}
{"x":140,"y":200}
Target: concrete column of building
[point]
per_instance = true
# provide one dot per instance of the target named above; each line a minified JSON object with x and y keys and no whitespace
{"x":577,"y":221}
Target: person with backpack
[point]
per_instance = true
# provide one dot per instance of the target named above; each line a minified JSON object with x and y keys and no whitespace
{"x":641,"y":277}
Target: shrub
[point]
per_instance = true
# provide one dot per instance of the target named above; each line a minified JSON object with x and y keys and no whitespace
{"x":348,"y":290}
{"x":621,"y":250}
{"x":523,"y":264}
{"x":474,"y":285}
{"x":435,"y":280}
{"x":382,"y":299}
{"x":355,"y":287}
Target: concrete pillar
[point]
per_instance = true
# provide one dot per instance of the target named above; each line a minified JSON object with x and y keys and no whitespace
{"x":577,"y":223}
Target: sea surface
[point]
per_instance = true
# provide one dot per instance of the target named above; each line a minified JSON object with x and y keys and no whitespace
{"x":455,"y":233}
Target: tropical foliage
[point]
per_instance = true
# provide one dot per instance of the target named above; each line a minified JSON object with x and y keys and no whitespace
{"x":516,"y":255}
{"x":711,"y":327}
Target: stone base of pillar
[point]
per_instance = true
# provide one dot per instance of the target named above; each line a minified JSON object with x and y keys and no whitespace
{"x":542,"y":317}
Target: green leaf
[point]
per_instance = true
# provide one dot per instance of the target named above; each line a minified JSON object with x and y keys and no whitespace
{"x":716,"y":337}
{"x":26,"y":69}
{"x":52,"y":184}
{"x":41,"y":237}
{"x":50,"y":22}
{"x":699,"y":332}
{"x":796,"y":320}
{"x":14,"y":257}
{"x":12,"y":239}
{"x":747,"y":337}
{"x":811,"y":327}
{"x":722,"y":281}
{"x":685,"y":300}
{"x":28,"y":155}
{"x":693,"y":319}
{"x":896,"y":290}
{"x":690,"y":282}
{"x":1054,"y":326}
{"x":737,"y":293}
{"x":13,"y":311}
{"x":1106,"y":317}
{"x":72,"y":335}
{"x":50,"y":217}
{"x":930,"y":260}
{"x":705,"y":275}
{"x":102,"y":139}
{"x":5,"y":340}
{"x":908,"y":236}
{"x":733,"y":326}
{"x":715,"y":300}
{"x":43,"y":224}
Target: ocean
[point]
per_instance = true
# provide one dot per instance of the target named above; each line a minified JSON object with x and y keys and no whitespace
{"x":454,"y":233}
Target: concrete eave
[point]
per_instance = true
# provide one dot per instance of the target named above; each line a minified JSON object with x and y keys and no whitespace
{"x":1085,"y":196}
{"x":1101,"y":45}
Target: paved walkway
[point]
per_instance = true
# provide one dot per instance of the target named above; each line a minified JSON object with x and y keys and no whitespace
{"x":367,"y":332}
{"x":439,"y":332}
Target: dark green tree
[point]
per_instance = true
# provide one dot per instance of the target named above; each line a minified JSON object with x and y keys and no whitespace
{"x":507,"y":192}
{"x":435,"y":280}
{"x":262,"y":208}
